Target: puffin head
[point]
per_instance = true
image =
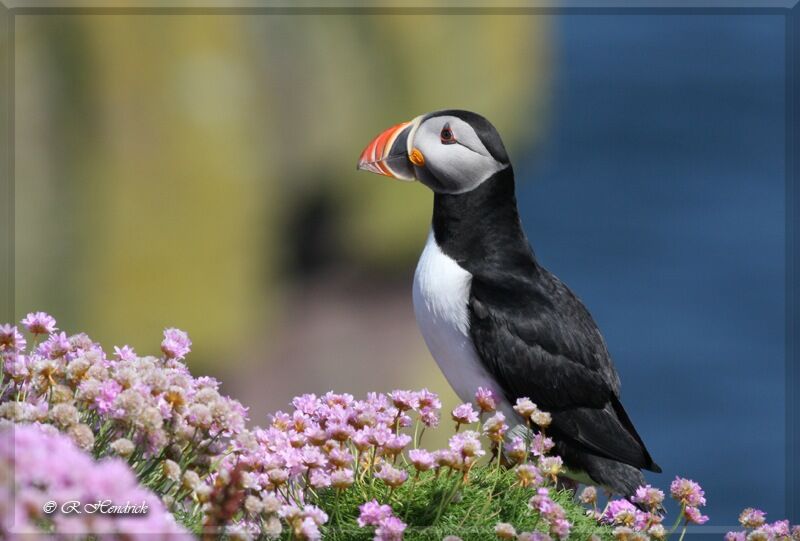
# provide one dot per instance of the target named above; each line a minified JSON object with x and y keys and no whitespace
{"x":449,"y":151}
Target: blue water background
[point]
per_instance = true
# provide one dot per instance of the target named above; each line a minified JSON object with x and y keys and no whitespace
{"x":659,"y":197}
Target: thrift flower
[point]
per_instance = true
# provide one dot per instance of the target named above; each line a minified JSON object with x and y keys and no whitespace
{"x":525,"y":407}
{"x":29,"y":452}
{"x":421,"y":459}
{"x":125,"y":353}
{"x":551,"y":466}
{"x":342,"y":478}
{"x":486,"y":400}
{"x":39,"y":323}
{"x":10,"y":339}
{"x":464,"y":415}
{"x":542,"y":419}
{"x":589,"y":495}
{"x":404,"y":400}
{"x":391,"y":475}
{"x":176,"y":344}
{"x":516,"y":449}
{"x":390,"y":529}
{"x":687,"y":492}
{"x":694,"y":515}
{"x":495,"y":427}
{"x":752,"y":518}
{"x":528,"y":475}
{"x":504,"y":530}
{"x":648,"y":496}
{"x":371,"y":513}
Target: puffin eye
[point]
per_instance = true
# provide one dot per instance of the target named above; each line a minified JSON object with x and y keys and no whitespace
{"x":446,"y":135}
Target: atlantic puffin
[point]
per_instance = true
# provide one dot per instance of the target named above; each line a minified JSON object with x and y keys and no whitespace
{"x":491,"y":315}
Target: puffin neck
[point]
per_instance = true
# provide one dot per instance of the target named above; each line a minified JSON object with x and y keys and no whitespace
{"x":482,"y":227}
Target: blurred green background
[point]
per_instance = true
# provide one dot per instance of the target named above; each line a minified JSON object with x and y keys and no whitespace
{"x":198,"y":171}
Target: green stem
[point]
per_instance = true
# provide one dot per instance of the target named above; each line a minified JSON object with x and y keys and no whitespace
{"x":678,"y":519}
{"x":683,"y":532}
{"x":499,"y":454}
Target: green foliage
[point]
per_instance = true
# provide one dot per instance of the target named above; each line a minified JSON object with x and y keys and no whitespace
{"x":436,"y":506}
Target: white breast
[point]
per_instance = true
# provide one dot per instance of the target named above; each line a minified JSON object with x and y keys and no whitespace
{"x":441,"y":297}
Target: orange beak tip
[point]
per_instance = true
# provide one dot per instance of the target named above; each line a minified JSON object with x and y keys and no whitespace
{"x":378,"y":158}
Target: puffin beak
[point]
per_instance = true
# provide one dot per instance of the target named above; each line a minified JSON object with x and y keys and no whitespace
{"x":387,"y":154}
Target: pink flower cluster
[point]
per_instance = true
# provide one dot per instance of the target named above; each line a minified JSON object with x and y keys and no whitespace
{"x":629,"y":520}
{"x":552,"y":513}
{"x":170,"y":427}
{"x":387,"y":526}
{"x":147,"y":417}
{"x":46,"y":466}
{"x":691,"y":497}
{"x":756,"y":528}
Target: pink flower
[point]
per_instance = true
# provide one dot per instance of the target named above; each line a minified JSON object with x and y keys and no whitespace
{"x":551,"y":465}
{"x":47,"y":466}
{"x":309,"y":530}
{"x":397,"y":443}
{"x":445,"y":458}
{"x":307,"y":403}
{"x":752,"y":518}
{"x":464,"y":414}
{"x":528,"y":475}
{"x":429,"y":417}
{"x":176,"y":344}
{"x":516,"y":449}
{"x":57,"y":345}
{"x":486,"y":399}
{"x":694,"y":516}
{"x":525,"y":407}
{"x":428,"y":400}
{"x":109,"y":390}
{"x":390,"y":529}
{"x":780,"y":528}
{"x":380,"y":435}
{"x":687,"y":492}
{"x":404,"y":400}
{"x":342,"y":478}
{"x":467,"y":444}
{"x":648,"y":496}
{"x":551,"y":512}
{"x":620,"y":512}
{"x":16,"y":366}
{"x":39,"y":323}
{"x":541,"y":445}
{"x":340,"y":457}
{"x":11,"y":339}
{"x":319,"y":479}
{"x":560,"y":528}
{"x":125,"y":353}
{"x":371,"y":513}
{"x":391,"y":475}
{"x":312,"y":457}
{"x":421,"y":459}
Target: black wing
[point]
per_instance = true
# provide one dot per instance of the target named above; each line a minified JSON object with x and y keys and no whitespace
{"x":539,"y":341}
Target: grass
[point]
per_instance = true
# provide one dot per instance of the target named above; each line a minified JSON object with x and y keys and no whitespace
{"x":490,"y":496}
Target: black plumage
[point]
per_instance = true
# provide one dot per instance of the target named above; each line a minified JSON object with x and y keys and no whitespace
{"x":536,"y":338}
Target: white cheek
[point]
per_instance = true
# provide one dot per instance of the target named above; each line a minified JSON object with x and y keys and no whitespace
{"x":458,"y":167}
{"x":464,"y":166}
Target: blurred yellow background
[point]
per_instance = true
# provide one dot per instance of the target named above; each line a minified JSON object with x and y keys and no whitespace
{"x":198,"y":171}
